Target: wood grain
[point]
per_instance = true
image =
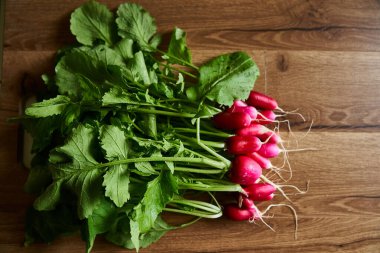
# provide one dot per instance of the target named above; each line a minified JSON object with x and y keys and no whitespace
{"x":335,"y":83}
{"x":319,"y":56}
{"x":339,"y":196}
{"x":275,"y":24}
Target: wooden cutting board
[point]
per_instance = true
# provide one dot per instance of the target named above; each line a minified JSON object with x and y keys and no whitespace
{"x":322,"y":57}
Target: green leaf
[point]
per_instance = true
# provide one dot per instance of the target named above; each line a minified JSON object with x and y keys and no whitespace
{"x":163,"y":89}
{"x":159,"y":228}
{"x":125,"y":48}
{"x":81,"y":174}
{"x":121,"y":233}
{"x":114,"y":143}
{"x":50,"y":107}
{"x":145,"y":168}
{"x":50,"y":198}
{"x":101,"y":221}
{"x":227,"y":78}
{"x":149,"y":124}
{"x":117,"y":96}
{"x":42,"y":130}
{"x":178,"y":52}
{"x":138,"y":70}
{"x":207,"y":111}
{"x":45,"y":226}
{"x":159,"y":192}
{"x":91,"y":22}
{"x":135,"y":233}
{"x":91,"y":63}
{"x":116,"y":179}
{"x":80,"y":147}
{"x":38,"y":178}
{"x":136,"y":24}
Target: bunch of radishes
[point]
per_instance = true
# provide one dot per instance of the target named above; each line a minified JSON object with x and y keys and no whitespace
{"x":252,"y":146}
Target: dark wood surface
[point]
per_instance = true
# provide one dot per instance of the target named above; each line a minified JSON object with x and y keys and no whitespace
{"x":322,"y":57}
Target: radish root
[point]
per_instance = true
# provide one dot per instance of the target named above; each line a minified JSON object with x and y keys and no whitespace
{"x":294,"y":215}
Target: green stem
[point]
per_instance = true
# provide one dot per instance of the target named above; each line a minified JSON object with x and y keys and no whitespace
{"x":189,"y":130}
{"x":168,"y":78}
{"x":135,"y":180}
{"x":185,"y":63}
{"x":194,"y":213}
{"x":197,"y":204}
{"x":180,"y":100}
{"x":210,"y":188}
{"x":173,"y":114}
{"x":179,"y":70}
{"x":179,"y":226}
{"x":161,"y":142}
{"x":211,"y":151}
{"x":137,"y":127}
{"x":208,"y":143}
{"x":194,"y":170}
{"x":206,"y":161}
{"x":194,"y":152}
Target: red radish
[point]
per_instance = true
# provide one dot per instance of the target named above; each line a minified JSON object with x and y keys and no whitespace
{"x":270,"y":136}
{"x":240,"y":145}
{"x":245,"y":170}
{"x":262,"y":161}
{"x":247,"y":202}
{"x":239,"y":103}
{"x":269,"y":150}
{"x":266,"y":117}
{"x":235,"y":213}
{"x":260,"y":191}
{"x":253,"y":129}
{"x":240,"y":106}
{"x":261,"y":101}
{"x":231,"y":121}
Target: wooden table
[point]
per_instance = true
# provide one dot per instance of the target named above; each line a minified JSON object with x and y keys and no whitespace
{"x":322,"y":57}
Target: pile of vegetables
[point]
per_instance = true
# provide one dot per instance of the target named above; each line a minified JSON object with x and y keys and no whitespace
{"x":252,"y":145}
{"x":127,"y":130}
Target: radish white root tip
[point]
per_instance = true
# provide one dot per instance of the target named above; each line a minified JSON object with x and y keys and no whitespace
{"x":297,"y":189}
{"x":252,"y":219}
{"x":293,"y":211}
{"x":294,"y":112}
{"x":277,"y":187}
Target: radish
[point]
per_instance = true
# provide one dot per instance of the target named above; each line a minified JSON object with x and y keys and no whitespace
{"x":246,"y":202}
{"x":253,"y":129}
{"x":231,"y":121}
{"x":262,"y":101}
{"x":269,"y":150}
{"x":240,"y":106}
{"x":260,"y":191}
{"x":266,"y":117}
{"x":241,"y":145}
{"x":270,"y":136}
{"x":246,"y":211}
{"x":245,"y":170}
{"x":262,"y":161}
{"x":233,"y":212}
{"x":239,"y":103}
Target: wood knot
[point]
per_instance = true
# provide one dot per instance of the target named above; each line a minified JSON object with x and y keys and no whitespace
{"x":338,"y":116}
{"x":282,"y":62}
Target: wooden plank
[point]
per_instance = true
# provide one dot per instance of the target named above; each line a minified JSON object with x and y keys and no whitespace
{"x":334,"y":89}
{"x":330,"y":176}
{"x":274,"y":24}
{"x":335,"y":235}
{"x":337,"y":90}
{"x":22,"y":68}
{"x":343,"y":191}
